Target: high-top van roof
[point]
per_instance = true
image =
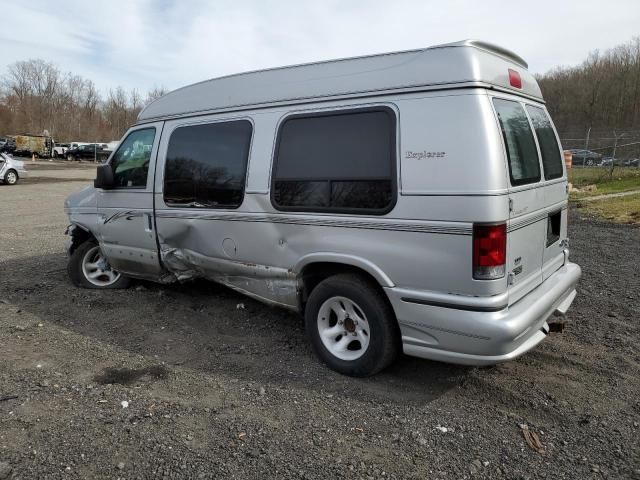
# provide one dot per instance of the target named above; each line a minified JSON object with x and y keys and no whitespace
{"x":468,"y":63}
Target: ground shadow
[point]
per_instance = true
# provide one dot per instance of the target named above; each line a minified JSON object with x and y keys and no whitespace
{"x":208,"y":327}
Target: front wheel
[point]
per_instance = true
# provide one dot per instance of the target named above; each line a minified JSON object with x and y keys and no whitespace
{"x":89,"y":268}
{"x":11,"y":177}
{"x":351,"y":326}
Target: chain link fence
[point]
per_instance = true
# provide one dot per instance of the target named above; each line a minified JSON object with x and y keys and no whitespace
{"x":602,"y":147}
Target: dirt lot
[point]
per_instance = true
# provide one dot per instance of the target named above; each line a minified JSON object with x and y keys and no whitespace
{"x":219,"y":391}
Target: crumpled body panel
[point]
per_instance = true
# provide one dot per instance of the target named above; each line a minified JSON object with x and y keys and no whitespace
{"x":273,"y":285}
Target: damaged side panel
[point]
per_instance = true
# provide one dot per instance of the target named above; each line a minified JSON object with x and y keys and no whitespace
{"x":273,"y":285}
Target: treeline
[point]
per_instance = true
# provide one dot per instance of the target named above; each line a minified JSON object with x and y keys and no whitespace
{"x":36,"y":97}
{"x":603,"y":93}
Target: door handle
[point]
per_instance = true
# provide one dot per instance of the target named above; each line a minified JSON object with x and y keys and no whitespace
{"x":148,"y":223}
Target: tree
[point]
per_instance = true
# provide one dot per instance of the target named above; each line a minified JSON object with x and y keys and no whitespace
{"x":35,"y":96}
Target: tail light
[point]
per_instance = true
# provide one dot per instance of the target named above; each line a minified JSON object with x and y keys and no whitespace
{"x":489,"y":251}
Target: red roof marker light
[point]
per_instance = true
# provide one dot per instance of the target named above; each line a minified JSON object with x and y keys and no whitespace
{"x":514,"y":79}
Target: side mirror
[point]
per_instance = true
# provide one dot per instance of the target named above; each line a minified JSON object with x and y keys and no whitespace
{"x":104,"y":177}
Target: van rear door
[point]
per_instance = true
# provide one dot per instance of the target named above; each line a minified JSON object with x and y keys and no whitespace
{"x":555,"y":189}
{"x":526,"y":230}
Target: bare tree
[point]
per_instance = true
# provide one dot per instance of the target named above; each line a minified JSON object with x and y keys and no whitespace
{"x":602,"y":92}
{"x":35,"y":96}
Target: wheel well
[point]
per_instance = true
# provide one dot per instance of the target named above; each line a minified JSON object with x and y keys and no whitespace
{"x":315,"y":273}
{"x":78,"y":237}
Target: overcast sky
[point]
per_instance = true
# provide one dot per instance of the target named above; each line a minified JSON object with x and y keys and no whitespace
{"x":147,"y":43}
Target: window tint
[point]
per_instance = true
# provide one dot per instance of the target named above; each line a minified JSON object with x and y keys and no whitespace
{"x":207,"y":164}
{"x":549,"y":148}
{"x":518,"y":139}
{"x":336,"y":162}
{"x":130,"y":163}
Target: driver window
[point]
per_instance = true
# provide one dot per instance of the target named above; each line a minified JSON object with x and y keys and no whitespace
{"x":130,"y":163}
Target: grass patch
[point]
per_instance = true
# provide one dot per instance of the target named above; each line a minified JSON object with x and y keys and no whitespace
{"x":618,"y":209}
{"x":623,"y":180}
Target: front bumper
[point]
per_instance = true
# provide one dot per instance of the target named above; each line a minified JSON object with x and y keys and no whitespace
{"x":472,"y":337}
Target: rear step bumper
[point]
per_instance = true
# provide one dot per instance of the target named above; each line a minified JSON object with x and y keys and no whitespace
{"x":481,"y":337}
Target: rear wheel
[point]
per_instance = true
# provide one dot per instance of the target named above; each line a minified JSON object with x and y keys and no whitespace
{"x":351,"y":326}
{"x":11,"y":177}
{"x":69,"y":157}
{"x":89,"y":268}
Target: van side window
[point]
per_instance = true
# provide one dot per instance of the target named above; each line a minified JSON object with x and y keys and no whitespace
{"x":336,"y":162}
{"x":130,"y":163}
{"x":207,"y":164}
{"x":522,"y":154}
{"x":549,"y":148}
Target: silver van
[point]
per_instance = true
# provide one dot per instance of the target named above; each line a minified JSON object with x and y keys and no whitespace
{"x":408,"y":202}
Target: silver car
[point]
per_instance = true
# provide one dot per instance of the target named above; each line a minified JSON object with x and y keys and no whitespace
{"x":409,"y":202}
{"x":11,"y":170}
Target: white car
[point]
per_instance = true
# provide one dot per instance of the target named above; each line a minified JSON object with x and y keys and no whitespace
{"x":59,"y":150}
{"x":11,"y":170}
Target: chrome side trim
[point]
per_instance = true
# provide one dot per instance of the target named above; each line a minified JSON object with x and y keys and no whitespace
{"x":329,"y":221}
{"x":496,"y":308}
{"x":526,"y":220}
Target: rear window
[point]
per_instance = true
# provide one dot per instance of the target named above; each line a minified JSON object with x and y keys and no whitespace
{"x":549,"y":148}
{"x":518,"y":140}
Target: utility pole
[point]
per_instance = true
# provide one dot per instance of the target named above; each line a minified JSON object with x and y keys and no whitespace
{"x":586,"y":146}
{"x":613,"y":156}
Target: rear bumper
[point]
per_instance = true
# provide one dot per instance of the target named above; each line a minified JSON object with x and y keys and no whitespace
{"x":480,"y":337}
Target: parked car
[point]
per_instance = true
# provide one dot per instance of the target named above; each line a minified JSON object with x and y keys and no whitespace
{"x":607,"y":161}
{"x":59,"y":150}
{"x":88,"y":151}
{"x":9,"y":145}
{"x":389,"y":236}
{"x":633,"y":162}
{"x":11,"y":170}
{"x":585,"y":158}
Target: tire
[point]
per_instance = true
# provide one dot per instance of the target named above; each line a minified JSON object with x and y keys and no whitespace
{"x":86,"y":259}
{"x":590,"y":163}
{"x":369,"y":316}
{"x":55,"y":154}
{"x":11,"y":177}
{"x":69,"y":157}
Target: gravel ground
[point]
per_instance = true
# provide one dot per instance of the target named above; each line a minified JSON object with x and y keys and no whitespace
{"x":196,"y":381}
